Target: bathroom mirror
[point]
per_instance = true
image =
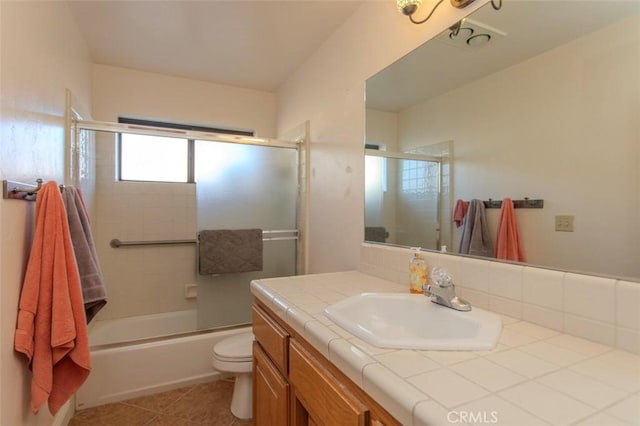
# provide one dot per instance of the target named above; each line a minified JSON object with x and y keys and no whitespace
{"x":544,"y":106}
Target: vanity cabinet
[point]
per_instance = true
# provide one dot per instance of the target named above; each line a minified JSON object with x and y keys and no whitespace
{"x":318,"y":397}
{"x":295,"y":385}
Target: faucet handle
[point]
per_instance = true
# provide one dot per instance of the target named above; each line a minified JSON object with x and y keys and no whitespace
{"x":441,"y":277}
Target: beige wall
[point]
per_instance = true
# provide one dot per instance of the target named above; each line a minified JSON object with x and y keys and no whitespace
{"x":42,"y":54}
{"x":328,"y":90}
{"x":562,"y":126}
{"x":126,"y":92}
{"x":157,"y":211}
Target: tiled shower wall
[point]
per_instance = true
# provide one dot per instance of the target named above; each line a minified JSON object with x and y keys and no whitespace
{"x":147,"y":279}
{"x":604,"y":310}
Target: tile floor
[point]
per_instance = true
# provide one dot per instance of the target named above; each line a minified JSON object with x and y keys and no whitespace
{"x":205,"y":404}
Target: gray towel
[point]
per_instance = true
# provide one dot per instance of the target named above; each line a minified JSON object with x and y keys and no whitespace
{"x":228,"y":251}
{"x":94,"y":294}
{"x":475,"y":238}
{"x":376,"y":234}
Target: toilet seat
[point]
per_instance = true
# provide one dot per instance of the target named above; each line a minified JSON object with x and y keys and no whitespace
{"x":236,"y":348}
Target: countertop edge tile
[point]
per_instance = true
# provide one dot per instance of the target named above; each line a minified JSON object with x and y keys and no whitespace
{"x":398,"y":397}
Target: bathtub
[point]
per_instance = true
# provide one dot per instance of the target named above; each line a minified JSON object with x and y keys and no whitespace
{"x":124,"y":330}
{"x":142,"y":363}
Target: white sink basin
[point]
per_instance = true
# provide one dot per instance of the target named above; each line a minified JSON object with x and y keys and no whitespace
{"x":412,"y":321}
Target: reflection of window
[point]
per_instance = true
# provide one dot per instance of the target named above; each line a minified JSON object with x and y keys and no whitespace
{"x":376,"y":168}
{"x":419,"y":177}
{"x":413,"y":173}
{"x":160,"y":158}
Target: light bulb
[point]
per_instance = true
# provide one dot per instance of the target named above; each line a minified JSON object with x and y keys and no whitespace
{"x":408,"y":7}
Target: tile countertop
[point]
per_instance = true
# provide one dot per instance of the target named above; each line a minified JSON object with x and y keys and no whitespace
{"x":534,"y":376}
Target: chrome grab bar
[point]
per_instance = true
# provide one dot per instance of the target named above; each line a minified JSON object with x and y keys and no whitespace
{"x":116,"y":243}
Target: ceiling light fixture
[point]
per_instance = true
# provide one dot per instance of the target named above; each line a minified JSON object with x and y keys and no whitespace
{"x":469,"y":33}
{"x":410,"y":7}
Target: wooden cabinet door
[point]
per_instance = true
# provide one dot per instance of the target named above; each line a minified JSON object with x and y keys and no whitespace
{"x":317,"y":397}
{"x":270,"y":392}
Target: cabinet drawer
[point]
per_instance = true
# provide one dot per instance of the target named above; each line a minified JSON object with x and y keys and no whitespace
{"x":318,"y":397}
{"x":273,"y":338}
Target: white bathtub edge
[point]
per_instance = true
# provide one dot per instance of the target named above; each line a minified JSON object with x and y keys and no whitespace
{"x":64,"y":415}
{"x":150,"y":390}
{"x":129,"y":372}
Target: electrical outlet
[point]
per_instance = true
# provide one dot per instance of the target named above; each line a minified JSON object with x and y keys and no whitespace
{"x":564,"y":223}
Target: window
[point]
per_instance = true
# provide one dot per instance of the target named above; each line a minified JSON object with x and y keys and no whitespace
{"x":160,"y":158}
{"x":154,"y":158}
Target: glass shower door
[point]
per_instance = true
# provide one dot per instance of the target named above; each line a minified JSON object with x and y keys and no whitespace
{"x":243,"y":187}
{"x":402,"y":199}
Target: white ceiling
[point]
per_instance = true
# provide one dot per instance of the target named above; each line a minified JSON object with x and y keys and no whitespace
{"x":531,"y":27}
{"x":252,"y":44}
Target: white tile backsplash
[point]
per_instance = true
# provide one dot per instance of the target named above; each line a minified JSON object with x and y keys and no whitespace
{"x":627,"y":303}
{"x":599,"y":309}
{"x":475,"y":298}
{"x":542,"y":287}
{"x":505,"y":306}
{"x":590,"y":297}
{"x":545,"y":317}
{"x":628,"y":339}
{"x":505,"y":280}
{"x":473,"y":274}
{"x":597,"y":331}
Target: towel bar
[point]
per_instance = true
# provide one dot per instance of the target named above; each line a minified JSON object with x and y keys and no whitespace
{"x":116,"y":243}
{"x":13,"y":190}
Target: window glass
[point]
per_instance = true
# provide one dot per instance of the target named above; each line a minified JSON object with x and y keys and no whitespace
{"x":153,"y":158}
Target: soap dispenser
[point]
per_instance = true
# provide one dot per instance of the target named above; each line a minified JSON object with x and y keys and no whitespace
{"x":418,"y":272}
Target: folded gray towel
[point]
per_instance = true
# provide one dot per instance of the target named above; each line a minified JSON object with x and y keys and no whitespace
{"x":475,"y":239}
{"x":228,"y":251}
{"x":94,"y":294}
{"x":376,"y":234}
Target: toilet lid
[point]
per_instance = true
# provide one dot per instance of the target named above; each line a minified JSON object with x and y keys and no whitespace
{"x":236,"y":348}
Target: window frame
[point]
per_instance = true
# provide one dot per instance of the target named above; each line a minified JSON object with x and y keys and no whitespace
{"x":175,"y":126}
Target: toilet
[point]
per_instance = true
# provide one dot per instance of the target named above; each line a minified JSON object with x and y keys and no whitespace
{"x":234,"y":355}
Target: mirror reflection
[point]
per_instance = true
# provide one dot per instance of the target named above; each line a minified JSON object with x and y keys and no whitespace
{"x":545,"y":109}
{"x":404,"y":193}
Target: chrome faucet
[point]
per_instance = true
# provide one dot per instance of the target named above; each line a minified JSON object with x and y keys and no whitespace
{"x":443,"y":292}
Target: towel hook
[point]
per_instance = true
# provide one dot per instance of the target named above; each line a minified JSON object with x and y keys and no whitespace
{"x":39,"y":182}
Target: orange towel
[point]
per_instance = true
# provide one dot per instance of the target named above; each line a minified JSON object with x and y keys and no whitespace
{"x":508,"y":246}
{"x":51,"y":329}
{"x":459,"y":212}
